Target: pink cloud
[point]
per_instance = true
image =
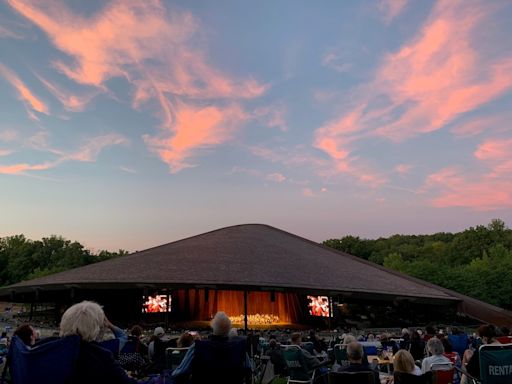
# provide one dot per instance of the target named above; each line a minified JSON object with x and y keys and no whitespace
{"x":391,"y":9}
{"x":439,"y":75}
{"x":88,"y":152}
{"x":432,"y":80}
{"x":8,"y":135}
{"x":118,"y":40}
{"x":455,"y":190}
{"x":496,"y":154}
{"x":403,"y":168}
{"x":308,"y":192}
{"x":31,"y":101}
{"x":156,"y":52}
{"x":70,"y":101}
{"x":277,"y":177}
{"x":196,"y":128}
{"x":273,"y":116}
{"x":22,"y":168}
{"x":477,"y":125}
{"x":5,"y":152}
{"x":91,"y":149}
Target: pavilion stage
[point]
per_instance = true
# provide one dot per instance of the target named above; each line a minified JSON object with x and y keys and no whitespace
{"x":260,"y":276}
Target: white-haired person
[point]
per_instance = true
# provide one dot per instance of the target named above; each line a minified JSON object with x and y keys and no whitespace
{"x":436,"y":349}
{"x":95,"y":364}
{"x":221,"y":358}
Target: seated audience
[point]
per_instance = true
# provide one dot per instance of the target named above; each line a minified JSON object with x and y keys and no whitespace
{"x":355,"y":356}
{"x":94,"y":364}
{"x":436,"y":350}
{"x":156,"y":350}
{"x":311,"y":360}
{"x":276,"y":357}
{"x":403,"y":362}
{"x":417,"y":346}
{"x":219,"y":359}
{"x":488,"y":335}
{"x":135,"y":337}
{"x":186,"y":340}
{"x":27,"y":334}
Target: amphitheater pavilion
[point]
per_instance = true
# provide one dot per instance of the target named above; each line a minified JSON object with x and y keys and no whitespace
{"x":258,"y":275}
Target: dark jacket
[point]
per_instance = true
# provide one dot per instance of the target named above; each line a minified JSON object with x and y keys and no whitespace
{"x":97,"y":365}
{"x":356,"y":367}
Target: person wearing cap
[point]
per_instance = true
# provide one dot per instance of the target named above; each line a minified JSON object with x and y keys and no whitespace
{"x":157,"y":339}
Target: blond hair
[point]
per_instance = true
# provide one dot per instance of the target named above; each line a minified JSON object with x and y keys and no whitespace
{"x":403,"y":362}
{"x":85,"y":319}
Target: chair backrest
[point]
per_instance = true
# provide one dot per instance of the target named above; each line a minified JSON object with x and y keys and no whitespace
{"x":459,"y":342}
{"x":504,"y":339}
{"x":443,"y":376}
{"x":129,"y":347}
{"x":219,"y":361}
{"x":409,"y":378}
{"x":370,"y":350}
{"x":174,"y":356}
{"x":351,"y":377}
{"x":340,"y":354}
{"x":308,"y":346}
{"x":296,"y":363}
{"x":112,"y":345}
{"x":496,"y":364}
{"x":49,"y":363}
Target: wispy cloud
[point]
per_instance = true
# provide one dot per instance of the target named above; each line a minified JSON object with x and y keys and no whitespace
{"x":8,"y":33}
{"x":432,"y":80}
{"x":8,"y":135}
{"x":403,"y":168}
{"x":276,"y":177}
{"x":88,"y":152}
{"x":70,"y":101}
{"x":128,"y":169}
{"x":91,"y":149}
{"x":273,"y":116}
{"x":5,"y":152}
{"x":332,"y":60}
{"x":126,"y":40}
{"x":391,"y":9}
{"x":31,"y":101}
{"x":496,"y":154}
{"x":451,"y":188}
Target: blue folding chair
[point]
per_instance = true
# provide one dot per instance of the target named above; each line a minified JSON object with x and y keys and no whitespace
{"x":459,"y":342}
{"x":49,"y":363}
{"x":112,"y":345}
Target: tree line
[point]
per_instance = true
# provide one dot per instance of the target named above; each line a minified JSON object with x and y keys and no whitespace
{"x":476,"y":262}
{"x":22,"y":258}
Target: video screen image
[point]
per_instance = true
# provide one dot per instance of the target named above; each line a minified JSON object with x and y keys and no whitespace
{"x":318,"y":306}
{"x":155,"y":304}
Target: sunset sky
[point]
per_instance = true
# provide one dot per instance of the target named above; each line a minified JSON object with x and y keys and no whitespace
{"x":128,"y":124}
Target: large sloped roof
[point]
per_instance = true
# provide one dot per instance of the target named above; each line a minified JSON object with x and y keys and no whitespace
{"x":255,"y":256}
{"x":251,"y":255}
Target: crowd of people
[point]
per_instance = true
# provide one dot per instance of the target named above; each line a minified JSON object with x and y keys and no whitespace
{"x":192,"y":357}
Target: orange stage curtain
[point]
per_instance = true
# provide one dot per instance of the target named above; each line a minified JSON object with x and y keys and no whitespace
{"x":191,"y":304}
